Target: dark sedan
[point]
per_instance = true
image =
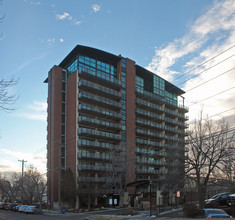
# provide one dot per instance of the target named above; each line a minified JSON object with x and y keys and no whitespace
{"x":217,"y":200}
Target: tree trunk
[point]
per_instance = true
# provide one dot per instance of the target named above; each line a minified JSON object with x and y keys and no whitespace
{"x":201,"y":195}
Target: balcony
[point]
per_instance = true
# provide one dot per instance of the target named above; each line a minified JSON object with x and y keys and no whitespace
{"x":97,"y":100}
{"x":141,"y":141}
{"x":87,"y":132}
{"x":99,"y":90}
{"x":93,"y":156}
{"x":149,"y":106}
{"x":99,"y":112}
{"x":97,"y":145}
{"x":149,"y":96}
{"x":157,"y":144}
{"x":88,"y":121}
{"x":149,"y":115}
{"x":87,"y":179}
{"x":99,"y":77}
{"x":171,"y":146}
{"x":94,"y":168}
{"x":171,"y":113}
{"x":151,"y":171}
{"x":148,"y":133}
{"x":152,"y":153}
{"x":149,"y":124}
{"x":150,"y":162}
{"x":171,"y":129}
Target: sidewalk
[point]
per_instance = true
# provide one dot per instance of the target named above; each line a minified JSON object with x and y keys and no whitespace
{"x":175,"y":213}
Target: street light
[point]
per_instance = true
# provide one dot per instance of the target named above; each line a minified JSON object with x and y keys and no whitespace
{"x":59,"y":185}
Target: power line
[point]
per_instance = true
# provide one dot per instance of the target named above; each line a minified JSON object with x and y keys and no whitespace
{"x":214,"y":134}
{"x":39,"y":150}
{"x":214,"y":115}
{"x":204,"y":63}
{"x":212,"y":96}
{"x":211,"y":79}
{"x":192,"y":77}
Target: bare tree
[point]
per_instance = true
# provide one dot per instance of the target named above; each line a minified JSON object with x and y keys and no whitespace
{"x":87,"y":191}
{"x":68,"y":187}
{"x":34,"y":185}
{"x":209,"y":143}
{"x":115,"y":177}
{"x":40,"y":186}
{"x":7,"y":100}
{"x":10,"y":187}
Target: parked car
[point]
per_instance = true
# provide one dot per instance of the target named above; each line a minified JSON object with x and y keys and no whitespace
{"x":217,"y":200}
{"x":7,"y":207}
{"x":3,"y":205}
{"x":22,"y":208}
{"x":11,"y":206}
{"x":212,"y":213}
{"x":33,"y":209}
{"x":231,"y":200}
{"x":16,"y":209}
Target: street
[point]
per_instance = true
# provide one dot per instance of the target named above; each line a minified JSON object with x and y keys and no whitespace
{"x":99,"y":215}
{"x":9,"y":215}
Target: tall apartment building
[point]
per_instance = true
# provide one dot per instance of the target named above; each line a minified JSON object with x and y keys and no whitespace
{"x":112,"y":122}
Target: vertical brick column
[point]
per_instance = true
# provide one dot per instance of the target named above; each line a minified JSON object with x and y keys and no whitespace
{"x":54,"y":130}
{"x":130,"y":122}
{"x":71,"y":122}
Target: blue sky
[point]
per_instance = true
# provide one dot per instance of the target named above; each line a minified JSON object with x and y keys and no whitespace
{"x":168,"y":37}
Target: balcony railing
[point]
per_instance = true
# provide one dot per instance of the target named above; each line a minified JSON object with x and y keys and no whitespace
{"x":88,"y":155}
{"x":150,"y":162}
{"x":87,"y":167}
{"x":150,"y":95}
{"x":149,"y":105}
{"x":106,"y":168}
{"x":157,"y":144}
{"x":150,"y":171}
{"x":149,"y":133}
{"x":99,"y":111}
{"x":98,"y":134}
{"x":99,"y":100}
{"x":105,"y":78}
{"x":160,"y":99}
{"x":99,"y":123}
{"x":151,"y":124}
{"x":149,"y":114}
{"x":95,"y":179}
{"x":97,"y":144}
{"x":100,"y":89}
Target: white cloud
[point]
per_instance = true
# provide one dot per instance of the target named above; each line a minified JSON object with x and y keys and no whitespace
{"x":63,"y":16}
{"x":77,"y":22}
{"x":11,"y":158}
{"x":95,"y":8}
{"x":212,"y":33}
{"x":67,"y":16}
{"x":33,"y":2}
{"x":52,"y":41}
{"x":36,"y":111}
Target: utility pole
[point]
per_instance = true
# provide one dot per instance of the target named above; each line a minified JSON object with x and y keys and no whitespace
{"x":22,"y":184}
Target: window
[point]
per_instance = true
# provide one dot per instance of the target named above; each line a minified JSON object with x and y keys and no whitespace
{"x":139,"y":82}
{"x":73,"y":67}
{"x":89,"y":62}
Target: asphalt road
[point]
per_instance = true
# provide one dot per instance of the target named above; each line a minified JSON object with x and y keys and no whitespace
{"x":9,"y":215}
{"x":102,"y":215}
